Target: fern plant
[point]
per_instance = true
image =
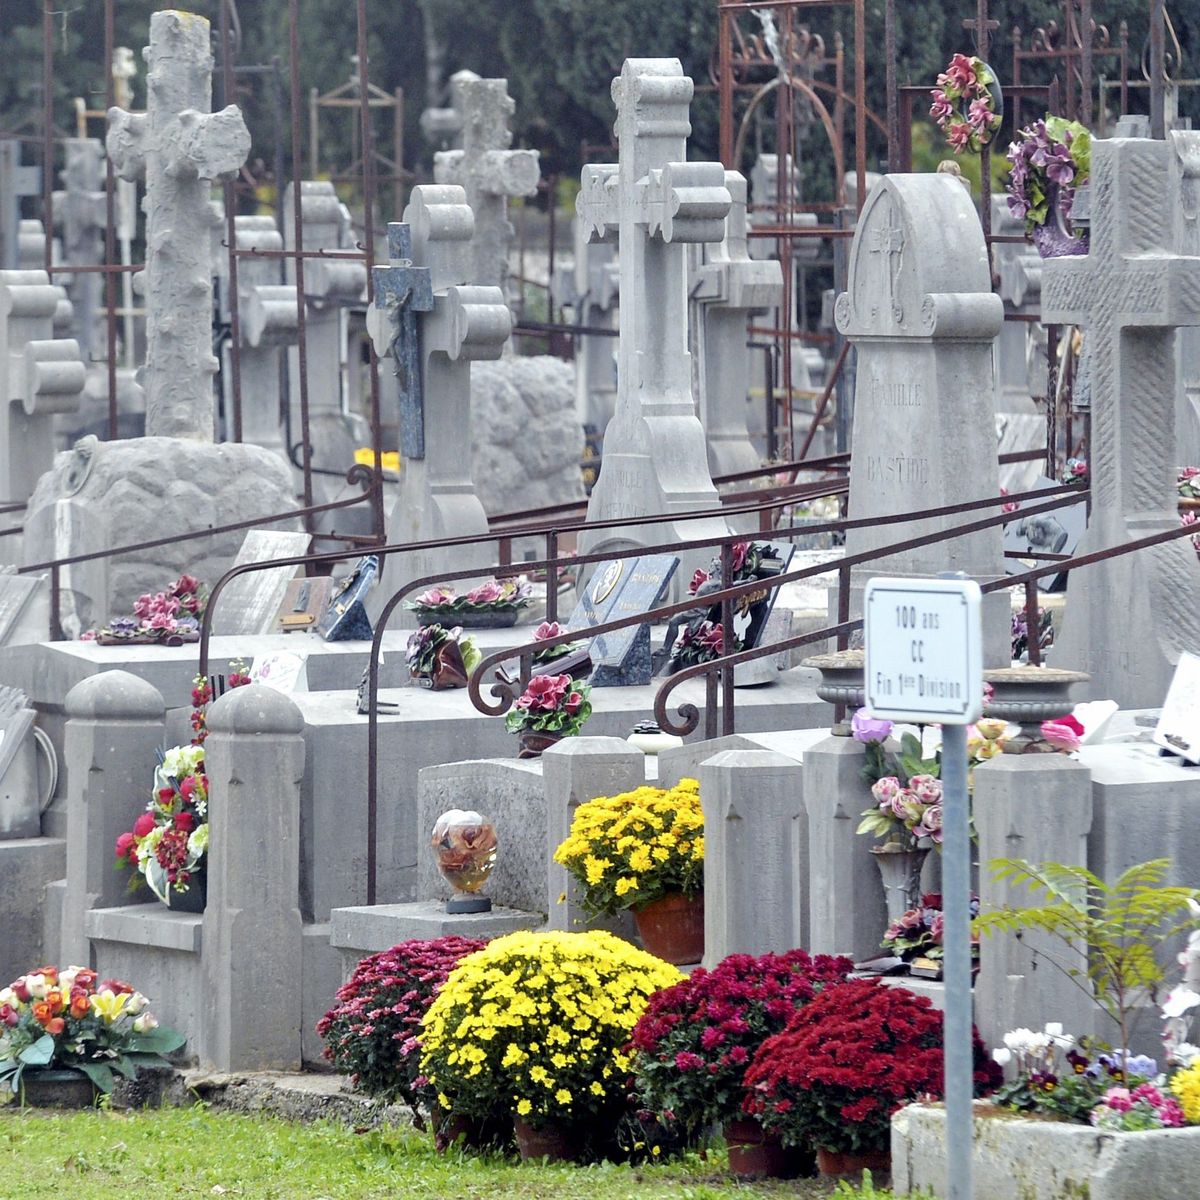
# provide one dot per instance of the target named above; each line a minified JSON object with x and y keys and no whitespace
{"x":1121,"y":925}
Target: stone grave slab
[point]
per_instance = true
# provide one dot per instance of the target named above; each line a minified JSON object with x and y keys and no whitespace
{"x":619,"y":589}
{"x":24,"y":608}
{"x":250,"y":603}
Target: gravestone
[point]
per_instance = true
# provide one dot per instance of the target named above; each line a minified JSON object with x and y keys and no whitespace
{"x":655,"y":203}
{"x":24,"y":608}
{"x":20,"y":809}
{"x":1130,"y":292}
{"x":437,"y":498}
{"x":921,"y":314}
{"x":590,"y":287}
{"x":488,"y":171}
{"x":622,"y":588}
{"x":249,"y":604}
{"x":16,"y":183}
{"x":727,"y":285}
{"x":80,"y":211}
{"x":1187,"y":222}
{"x":102,"y":495}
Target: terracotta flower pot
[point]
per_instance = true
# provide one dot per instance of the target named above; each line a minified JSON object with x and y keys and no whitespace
{"x":475,"y":1133}
{"x":531,"y":742}
{"x":756,"y":1154}
{"x":554,"y":1141}
{"x":672,"y":928}
{"x":56,"y":1088}
{"x":838,"y":1162}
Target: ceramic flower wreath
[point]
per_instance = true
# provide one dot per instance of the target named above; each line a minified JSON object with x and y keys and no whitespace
{"x":966,"y":103}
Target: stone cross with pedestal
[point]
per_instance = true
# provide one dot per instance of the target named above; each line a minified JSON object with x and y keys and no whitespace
{"x":1129,"y":618}
{"x":487,"y":170}
{"x":179,"y":148}
{"x":591,"y":286}
{"x":656,"y":203}
{"x":464,"y":324}
{"x":727,"y":285}
{"x":80,"y":212}
{"x":920,"y":311}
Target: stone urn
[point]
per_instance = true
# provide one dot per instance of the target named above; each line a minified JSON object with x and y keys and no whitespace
{"x":1027,"y":696}
{"x":841,"y":681}
{"x":900,"y":870}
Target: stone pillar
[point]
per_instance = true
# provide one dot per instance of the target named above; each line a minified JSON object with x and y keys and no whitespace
{"x":1036,"y":807}
{"x":577,"y":770}
{"x":252,"y":929}
{"x":756,"y":856}
{"x":846,"y":913}
{"x":114,"y":726}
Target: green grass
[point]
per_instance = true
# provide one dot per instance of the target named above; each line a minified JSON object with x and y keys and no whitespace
{"x":193,"y":1152}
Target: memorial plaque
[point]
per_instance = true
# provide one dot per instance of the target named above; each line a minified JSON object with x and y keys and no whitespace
{"x":1055,"y":532}
{"x":249,"y":605}
{"x":24,"y":608}
{"x":619,"y":589}
{"x":1178,"y":728}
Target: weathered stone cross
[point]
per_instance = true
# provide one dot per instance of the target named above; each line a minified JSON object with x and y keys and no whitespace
{"x":655,"y":458}
{"x":487,"y":170}
{"x":1130,"y":293}
{"x":888,"y":242}
{"x":179,"y":147}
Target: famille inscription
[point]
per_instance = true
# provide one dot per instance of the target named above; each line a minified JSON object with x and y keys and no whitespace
{"x":895,"y":395}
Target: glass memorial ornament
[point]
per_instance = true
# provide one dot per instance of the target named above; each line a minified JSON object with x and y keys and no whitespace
{"x":464,"y":843}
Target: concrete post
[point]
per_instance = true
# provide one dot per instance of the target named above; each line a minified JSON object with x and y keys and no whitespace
{"x":576,"y":770}
{"x":756,"y":858}
{"x":847,"y":914}
{"x":1036,"y":807}
{"x":114,"y":726}
{"x":252,"y":928}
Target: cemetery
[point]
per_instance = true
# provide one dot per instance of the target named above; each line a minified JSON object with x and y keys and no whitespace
{"x":601,"y":602}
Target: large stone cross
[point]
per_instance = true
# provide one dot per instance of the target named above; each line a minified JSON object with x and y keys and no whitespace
{"x":487,"y":170}
{"x":1128,"y":618}
{"x":179,"y":148}
{"x":655,"y":202}
{"x":16,"y":181}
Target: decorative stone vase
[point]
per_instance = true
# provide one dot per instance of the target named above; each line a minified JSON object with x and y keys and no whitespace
{"x":500,"y":619}
{"x":672,"y":928}
{"x":554,"y":1140}
{"x":1056,"y":238}
{"x":194,"y":899}
{"x":756,"y":1154}
{"x":841,"y":681}
{"x":1028,"y":696}
{"x":900,"y":870}
{"x":531,"y":742}
{"x":57,"y":1088}
{"x":836,"y":1163}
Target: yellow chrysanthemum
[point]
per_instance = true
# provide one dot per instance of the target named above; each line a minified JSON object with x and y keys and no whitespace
{"x":1186,"y":1086}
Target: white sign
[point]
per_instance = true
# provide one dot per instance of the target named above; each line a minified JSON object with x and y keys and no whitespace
{"x":282,"y":670}
{"x":1179,"y":723}
{"x":924,"y":660}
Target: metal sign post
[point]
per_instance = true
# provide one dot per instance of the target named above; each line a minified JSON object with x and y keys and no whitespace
{"x":924,"y":664}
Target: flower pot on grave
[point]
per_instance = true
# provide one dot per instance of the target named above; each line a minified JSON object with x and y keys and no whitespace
{"x":1028,"y":696}
{"x":57,"y":1088}
{"x":672,"y":928}
{"x":448,"y":672}
{"x":836,"y":1163}
{"x":475,"y":1133}
{"x":1057,"y":237}
{"x":841,"y":681}
{"x":900,"y":870}
{"x":554,"y":1140}
{"x":486,"y":619}
{"x":756,"y":1154}
{"x":193,"y":898}
{"x":531,"y":742}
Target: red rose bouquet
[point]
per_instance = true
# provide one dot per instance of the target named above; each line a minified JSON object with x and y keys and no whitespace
{"x":372,"y":1032}
{"x":695,"y":1040}
{"x":848,"y":1060}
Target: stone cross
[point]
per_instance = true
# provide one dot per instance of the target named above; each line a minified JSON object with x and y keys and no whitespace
{"x":79,"y":212}
{"x":465,"y":323}
{"x":655,"y":202}
{"x":1130,"y":292}
{"x":1186,"y":166}
{"x":922,"y":316}
{"x":488,"y":170}
{"x":401,"y":291}
{"x":268,"y":322}
{"x":179,"y":148}
{"x":16,"y":182}
{"x":40,"y":375}
{"x":728,"y":285}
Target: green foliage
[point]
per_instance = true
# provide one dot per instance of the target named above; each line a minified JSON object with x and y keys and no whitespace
{"x":1120,"y":925}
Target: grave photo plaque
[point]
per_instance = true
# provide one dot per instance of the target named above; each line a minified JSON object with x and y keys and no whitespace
{"x":622,"y":588}
{"x":1056,"y":532}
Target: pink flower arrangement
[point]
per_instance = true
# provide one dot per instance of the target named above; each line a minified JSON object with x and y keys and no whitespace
{"x":492,"y":596}
{"x":963,"y":104}
{"x":1065,"y":734}
{"x":543,"y":633}
{"x":551,"y":704}
{"x":1188,"y":483}
{"x":1142,"y":1107}
{"x":910,"y":811}
{"x":170,"y":615}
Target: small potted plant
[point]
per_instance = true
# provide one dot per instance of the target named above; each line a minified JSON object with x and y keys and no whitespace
{"x":64,"y":1036}
{"x":695,"y":1041}
{"x":1049,"y":161}
{"x":552,"y":707}
{"x":495,"y":604}
{"x":849,"y":1059}
{"x":644,"y":850}
{"x":538,"y":1025}
{"x":967,"y":103}
{"x":373,"y":1031}
{"x":439,"y":658}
